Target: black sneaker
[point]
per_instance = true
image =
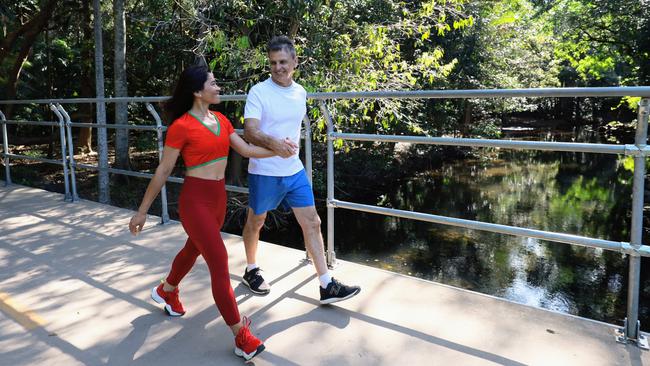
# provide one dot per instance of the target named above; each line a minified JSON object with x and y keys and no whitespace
{"x":336,"y":291}
{"x":254,"y":280}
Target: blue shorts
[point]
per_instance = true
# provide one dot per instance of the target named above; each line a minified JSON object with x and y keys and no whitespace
{"x":267,"y":192}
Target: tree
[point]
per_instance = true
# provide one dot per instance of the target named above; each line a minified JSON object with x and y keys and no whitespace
{"x":19,"y":43}
{"x":122,"y":160}
{"x":603,"y":40}
{"x":104,"y":193}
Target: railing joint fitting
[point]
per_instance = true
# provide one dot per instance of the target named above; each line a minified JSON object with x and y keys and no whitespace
{"x":632,"y":250}
{"x":634,"y":150}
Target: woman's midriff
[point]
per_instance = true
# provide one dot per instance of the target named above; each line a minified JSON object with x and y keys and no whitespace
{"x":214,"y":171}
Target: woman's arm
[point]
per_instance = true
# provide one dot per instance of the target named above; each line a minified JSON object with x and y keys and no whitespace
{"x":247,"y":150}
{"x":252,"y":132}
{"x":163,"y":171}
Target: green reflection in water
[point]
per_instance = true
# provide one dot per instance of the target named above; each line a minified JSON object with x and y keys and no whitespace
{"x":576,"y":193}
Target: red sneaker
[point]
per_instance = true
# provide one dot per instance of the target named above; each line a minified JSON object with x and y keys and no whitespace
{"x":246,"y":344}
{"x":173,"y":305}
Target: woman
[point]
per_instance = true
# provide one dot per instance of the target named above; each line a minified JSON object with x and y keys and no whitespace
{"x":202,"y":137}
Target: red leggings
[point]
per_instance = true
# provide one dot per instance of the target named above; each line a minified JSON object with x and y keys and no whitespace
{"x":202,"y":208}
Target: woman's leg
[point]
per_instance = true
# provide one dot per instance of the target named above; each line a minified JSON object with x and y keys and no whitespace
{"x":207,"y":238}
{"x":182,"y":264}
{"x":202,"y":214}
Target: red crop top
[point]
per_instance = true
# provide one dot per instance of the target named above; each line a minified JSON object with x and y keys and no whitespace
{"x":200,"y":145}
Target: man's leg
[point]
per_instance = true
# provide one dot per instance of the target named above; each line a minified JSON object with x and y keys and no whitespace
{"x":253,"y":275}
{"x":331,"y":290}
{"x":251,"y":234}
{"x":310,"y":224}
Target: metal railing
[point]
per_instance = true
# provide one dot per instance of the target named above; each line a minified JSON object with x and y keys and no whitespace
{"x":639,"y":150}
{"x":69,"y":165}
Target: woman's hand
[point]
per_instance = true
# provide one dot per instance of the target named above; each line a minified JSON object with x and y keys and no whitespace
{"x":137,"y":223}
{"x":163,"y":170}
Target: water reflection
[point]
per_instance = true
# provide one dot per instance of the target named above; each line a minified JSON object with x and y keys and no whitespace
{"x":575,"y":193}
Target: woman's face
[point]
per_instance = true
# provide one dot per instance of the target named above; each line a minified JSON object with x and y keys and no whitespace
{"x":210,"y":92}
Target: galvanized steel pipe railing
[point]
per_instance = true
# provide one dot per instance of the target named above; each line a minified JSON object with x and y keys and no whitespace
{"x":331,"y":254}
{"x":308,"y":158}
{"x":164,"y":217}
{"x":639,"y":151}
{"x":68,"y":162}
{"x":633,"y":91}
{"x":71,"y":162}
{"x":31,"y":123}
{"x":622,"y":247}
{"x":634,"y":150}
{"x":5,"y":149}
{"x":66,"y":182}
{"x":307,"y":136}
{"x":632,"y":325}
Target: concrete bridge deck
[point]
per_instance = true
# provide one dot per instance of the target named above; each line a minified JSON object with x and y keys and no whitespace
{"x":74,"y":290}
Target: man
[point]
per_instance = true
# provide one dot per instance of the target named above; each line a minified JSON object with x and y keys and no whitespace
{"x":272,"y":119}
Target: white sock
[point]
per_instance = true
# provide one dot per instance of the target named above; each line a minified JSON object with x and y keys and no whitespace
{"x":251,"y":267}
{"x":325,"y":279}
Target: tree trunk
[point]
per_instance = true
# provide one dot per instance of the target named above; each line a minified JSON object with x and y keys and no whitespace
{"x":54,"y":131}
{"x":84,"y":143}
{"x":467,"y":119}
{"x":122,"y":160}
{"x":14,"y":75}
{"x":30,"y":31}
{"x":644,"y":44}
{"x":102,"y":146}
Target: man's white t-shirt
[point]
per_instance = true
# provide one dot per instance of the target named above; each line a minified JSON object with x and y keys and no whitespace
{"x":280,"y":111}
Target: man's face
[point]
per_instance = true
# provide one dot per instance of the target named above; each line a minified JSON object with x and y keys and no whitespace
{"x":282,"y":67}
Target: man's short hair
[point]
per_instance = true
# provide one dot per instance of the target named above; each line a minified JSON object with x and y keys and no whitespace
{"x":281,"y":43}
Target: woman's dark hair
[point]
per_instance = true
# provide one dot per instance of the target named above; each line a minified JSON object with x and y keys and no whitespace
{"x":191,"y":80}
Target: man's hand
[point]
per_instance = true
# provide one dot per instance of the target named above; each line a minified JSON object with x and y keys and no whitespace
{"x":285,"y":148}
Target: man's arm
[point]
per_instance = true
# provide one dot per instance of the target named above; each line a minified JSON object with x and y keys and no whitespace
{"x":252,"y":133}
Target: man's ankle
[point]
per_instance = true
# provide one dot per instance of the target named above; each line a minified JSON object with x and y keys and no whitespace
{"x":325,"y":279}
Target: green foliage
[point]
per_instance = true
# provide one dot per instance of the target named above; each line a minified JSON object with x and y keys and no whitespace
{"x":632,"y":103}
{"x":146,"y":141}
{"x":628,"y":164}
{"x":602,"y":40}
{"x":342,"y":46}
{"x":353,"y":45}
{"x":487,"y":128}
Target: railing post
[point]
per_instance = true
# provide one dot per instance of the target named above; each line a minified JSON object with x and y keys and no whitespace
{"x":331,"y":254}
{"x":164,"y":217}
{"x":5,"y":148}
{"x":66,"y":183}
{"x":632,"y":324}
{"x":71,"y":162}
{"x":308,"y":159}
{"x":308,"y":151}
